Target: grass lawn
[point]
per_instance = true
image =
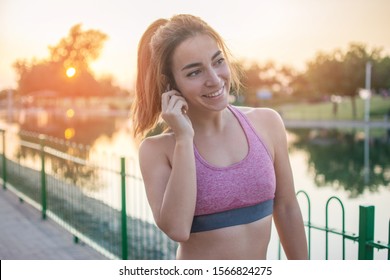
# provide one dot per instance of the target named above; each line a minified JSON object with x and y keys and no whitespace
{"x":379,"y":107}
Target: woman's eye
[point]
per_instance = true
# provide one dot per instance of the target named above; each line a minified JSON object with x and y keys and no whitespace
{"x":193,"y":73}
{"x":220,"y":61}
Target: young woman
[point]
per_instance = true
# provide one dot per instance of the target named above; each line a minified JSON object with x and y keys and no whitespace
{"x":218,"y":176}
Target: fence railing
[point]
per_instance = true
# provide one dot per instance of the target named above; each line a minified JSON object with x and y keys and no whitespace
{"x":96,"y":197}
{"x":101,"y":201}
{"x":365,"y":236}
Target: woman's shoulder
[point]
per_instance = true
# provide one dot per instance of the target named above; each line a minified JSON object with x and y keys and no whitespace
{"x":262,"y":115}
{"x":156,"y":144}
{"x":268,"y":124}
{"x":163,"y":139}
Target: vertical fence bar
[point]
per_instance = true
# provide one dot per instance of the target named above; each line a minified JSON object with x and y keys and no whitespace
{"x":43,"y":176}
{"x":327,"y":228}
{"x":309,"y":220}
{"x":124,"y":215}
{"x":4,"y":160}
{"x":388,"y":242}
{"x":366,"y":232}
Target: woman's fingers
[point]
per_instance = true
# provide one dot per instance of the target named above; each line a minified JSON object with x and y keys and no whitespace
{"x":166,"y":96}
{"x":176,"y":103}
{"x":170,"y":101}
{"x":174,"y":108}
{"x":164,"y":100}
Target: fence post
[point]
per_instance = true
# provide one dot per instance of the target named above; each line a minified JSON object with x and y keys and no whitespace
{"x":124,"y":215}
{"x":309,"y":225}
{"x":388,"y":242}
{"x":4,"y":161}
{"x":43,"y":176}
{"x":366,"y":232}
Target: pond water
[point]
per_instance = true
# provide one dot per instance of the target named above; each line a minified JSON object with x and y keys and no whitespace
{"x":325,"y":163}
{"x":329,"y":163}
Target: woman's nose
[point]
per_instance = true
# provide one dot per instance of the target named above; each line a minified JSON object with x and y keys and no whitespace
{"x":212,"y":78}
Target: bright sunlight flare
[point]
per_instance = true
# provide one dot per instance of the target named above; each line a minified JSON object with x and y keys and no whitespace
{"x":70,"y":72}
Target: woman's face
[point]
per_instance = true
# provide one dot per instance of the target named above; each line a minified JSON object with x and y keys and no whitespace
{"x":201,"y":73}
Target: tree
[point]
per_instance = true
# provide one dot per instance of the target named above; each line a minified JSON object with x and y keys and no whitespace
{"x":77,"y":50}
{"x":269,"y":76}
{"x":354,"y":65}
{"x":324,"y":73}
{"x":343,"y":73}
{"x":301,"y":87}
{"x":381,"y":74}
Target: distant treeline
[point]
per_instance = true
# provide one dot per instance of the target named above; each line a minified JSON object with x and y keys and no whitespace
{"x":338,"y":72}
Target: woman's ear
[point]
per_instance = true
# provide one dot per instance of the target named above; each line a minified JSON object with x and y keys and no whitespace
{"x":168,"y":82}
{"x":171,"y":81}
{"x":165,"y":85}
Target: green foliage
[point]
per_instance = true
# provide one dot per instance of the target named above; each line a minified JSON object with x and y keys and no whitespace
{"x":343,"y":73}
{"x":267,"y":76}
{"x":338,"y":72}
{"x":381,"y":73}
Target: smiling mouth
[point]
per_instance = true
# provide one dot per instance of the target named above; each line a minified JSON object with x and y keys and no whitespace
{"x":215,"y":94}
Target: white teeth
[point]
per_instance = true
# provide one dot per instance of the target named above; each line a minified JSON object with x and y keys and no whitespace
{"x":215,"y":94}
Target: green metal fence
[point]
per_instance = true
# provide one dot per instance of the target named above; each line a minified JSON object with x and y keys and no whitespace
{"x":364,"y":238}
{"x":101,"y":200}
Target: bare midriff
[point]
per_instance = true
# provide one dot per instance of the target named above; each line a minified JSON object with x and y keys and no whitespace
{"x":242,"y":242}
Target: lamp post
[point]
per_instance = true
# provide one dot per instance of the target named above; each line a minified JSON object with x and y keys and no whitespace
{"x":367,"y":99}
{"x":368,"y":92}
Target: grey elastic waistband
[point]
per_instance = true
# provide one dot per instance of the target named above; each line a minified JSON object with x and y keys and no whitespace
{"x":233,"y":217}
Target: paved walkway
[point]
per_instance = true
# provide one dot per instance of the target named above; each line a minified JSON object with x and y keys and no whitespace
{"x":25,"y":236}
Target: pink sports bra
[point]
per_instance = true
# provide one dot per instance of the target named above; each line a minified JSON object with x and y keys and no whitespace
{"x":240,"y":193}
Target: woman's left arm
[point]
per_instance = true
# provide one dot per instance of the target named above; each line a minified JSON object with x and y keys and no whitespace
{"x":287,"y":214}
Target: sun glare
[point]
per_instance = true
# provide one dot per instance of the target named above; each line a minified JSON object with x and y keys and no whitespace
{"x":69,"y":133}
{"x":70,"y":72}
{"x":70,"y":113}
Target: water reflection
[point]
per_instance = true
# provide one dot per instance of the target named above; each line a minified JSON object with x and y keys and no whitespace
{"x":83,"y":138}
{"x":99,"y":141}
{"x":56,"y":164}
{"x":340,"y":158}
{"x":80,"y":130}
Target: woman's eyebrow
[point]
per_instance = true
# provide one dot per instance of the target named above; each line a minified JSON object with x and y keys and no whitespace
{"x":196,"y":64}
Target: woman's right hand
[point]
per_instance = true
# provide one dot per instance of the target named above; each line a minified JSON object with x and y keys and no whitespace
{"x":174,"y":109}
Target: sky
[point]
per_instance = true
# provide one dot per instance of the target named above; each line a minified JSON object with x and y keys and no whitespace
{"x":289,"y":32}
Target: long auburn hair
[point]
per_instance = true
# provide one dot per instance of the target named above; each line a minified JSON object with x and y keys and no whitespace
{"x":154,"y":63}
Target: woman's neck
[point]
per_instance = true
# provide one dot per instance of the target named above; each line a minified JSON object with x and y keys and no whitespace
{"x":209,"y":122}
